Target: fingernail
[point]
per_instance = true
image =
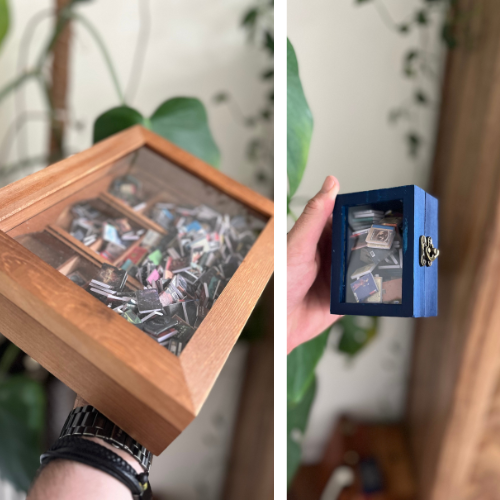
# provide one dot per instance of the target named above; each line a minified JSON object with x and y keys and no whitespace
{"x":328,"y":184}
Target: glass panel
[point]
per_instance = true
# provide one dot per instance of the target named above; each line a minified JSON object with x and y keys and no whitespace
{"x":51,"y":250}
{"x":153,"y":242}
{"x":374,"y":258}
{"x":152,"y":179}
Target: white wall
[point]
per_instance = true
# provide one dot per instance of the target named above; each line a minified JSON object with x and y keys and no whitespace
{"x":350,"y":65}
{"x":197,"y":48}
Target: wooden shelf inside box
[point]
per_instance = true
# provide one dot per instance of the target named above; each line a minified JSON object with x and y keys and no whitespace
{"x":140,"y":385}
{"x":57,"y":221}
{"x":66,"y":218}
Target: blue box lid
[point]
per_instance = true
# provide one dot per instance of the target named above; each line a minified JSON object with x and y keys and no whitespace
{"x":420,"y":283}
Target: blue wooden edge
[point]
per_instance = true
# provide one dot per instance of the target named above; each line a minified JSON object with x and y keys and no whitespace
{"x":339,"y":248}
{"x":431,"y":273}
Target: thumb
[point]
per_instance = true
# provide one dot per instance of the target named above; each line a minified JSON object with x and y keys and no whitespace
{"x":307,"y":230}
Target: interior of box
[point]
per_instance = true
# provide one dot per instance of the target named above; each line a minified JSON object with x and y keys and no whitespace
{"x":373,"y":254}
{"x":167,"y":232}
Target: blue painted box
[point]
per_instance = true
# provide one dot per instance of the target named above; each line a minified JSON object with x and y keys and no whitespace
{"x":384,"y":249}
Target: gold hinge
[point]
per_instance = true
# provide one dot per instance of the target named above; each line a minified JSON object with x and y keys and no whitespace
{"x":428,"y":254}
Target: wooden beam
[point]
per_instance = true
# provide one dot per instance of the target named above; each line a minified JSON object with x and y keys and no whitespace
{"x":456,"y":355}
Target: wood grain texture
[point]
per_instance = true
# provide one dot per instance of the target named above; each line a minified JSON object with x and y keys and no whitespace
{"x":28,"y":222}
{"x":484,"y":480}
{"x":456,"y":355}
{"x":71,"y":325}
{"x":88,"y":254}
{"x":208,"y":350}
{"x":58,"y":89}
{"x":38,"y":191}
{"x":250,"y":472}
{"x":151,"y":429}
{"x":128,"y":212}
{"x":151,"y":374}
{"x":431,"y":272}
{"x":418,"y":272}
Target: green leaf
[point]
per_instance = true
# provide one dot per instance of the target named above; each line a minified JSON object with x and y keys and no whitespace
{"x":269,"y":42}
{"x":297,"y":417}
{"x":362,"y":1}
{"x":422,"y":17}
{"x":357,"y":333}
{"x":221,"y":97}
{"x":183,"y":120}
{"x":266,"y":114}
{"x":299,"y":123}
{"x":409,"y":62}
{"x":268,"y":74}
{"x":421,"y":97}
{"x":448,"y":37}
{"x":115,"y":120}
{"x":4,"y":20}
{"x":301,"y":364}
{"x":414,"y":142}
{"x":397,"y":114}
{"x":250,"y":17}
{"x":22,"y":415}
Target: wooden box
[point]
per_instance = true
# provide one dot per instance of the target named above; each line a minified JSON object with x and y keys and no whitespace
{"x":383,"y":253}
{"x":136,"y":382}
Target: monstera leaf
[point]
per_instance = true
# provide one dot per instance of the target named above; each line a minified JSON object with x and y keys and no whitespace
{"x":357,"y":332}
{"x":301,"y":364}
{"x":4,"y":20}
{"x":297,"y":417}
{"x":299,"y":124}
{"x":182,"y":120}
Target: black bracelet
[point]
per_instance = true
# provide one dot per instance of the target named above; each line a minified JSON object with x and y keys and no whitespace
{"x":89,"y":453}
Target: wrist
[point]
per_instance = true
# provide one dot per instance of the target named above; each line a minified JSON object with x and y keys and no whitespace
{"x":79,"y":402}
{"x":87,"y":422}
{"x":121,"y":453}
{"x":87,"y":460}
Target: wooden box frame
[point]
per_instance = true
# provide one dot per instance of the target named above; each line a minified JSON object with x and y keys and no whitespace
{"x":149,"y":392}
{"x":420,"y":284}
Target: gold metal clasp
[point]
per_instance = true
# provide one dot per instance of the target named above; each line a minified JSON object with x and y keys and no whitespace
{"x":428,"y":253}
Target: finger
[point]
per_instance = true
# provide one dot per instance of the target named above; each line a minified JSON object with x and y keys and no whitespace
{"x":306,"y":232}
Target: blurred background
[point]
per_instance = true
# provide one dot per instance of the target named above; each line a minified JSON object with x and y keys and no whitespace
{"x":404,"y":92}
{"x":220,"y":52}
{"x":351,"y":64}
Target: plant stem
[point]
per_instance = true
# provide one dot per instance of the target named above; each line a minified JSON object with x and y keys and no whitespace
{"x":7,"y":89}
{"x":102,"y":47}
{"x":21,"y":66}
{"x":59,"y":74}
{"x":387,"y":18}
{"x":140,"y":49}
{"x":62,"y":19}
{"x":37,"y":70}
